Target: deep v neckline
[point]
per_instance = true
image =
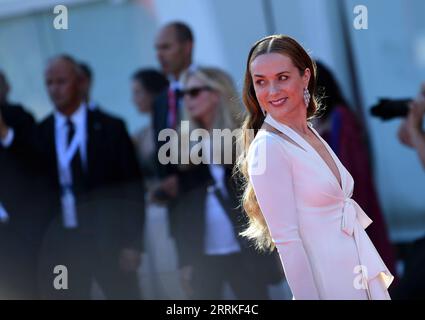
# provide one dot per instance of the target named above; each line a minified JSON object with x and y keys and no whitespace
{"x":305,"y":145}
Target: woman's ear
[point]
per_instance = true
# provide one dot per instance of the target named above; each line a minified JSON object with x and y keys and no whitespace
{"x":306,"y":77}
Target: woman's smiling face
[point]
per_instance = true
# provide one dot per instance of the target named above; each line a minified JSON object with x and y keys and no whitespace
{"x":278,"y":85}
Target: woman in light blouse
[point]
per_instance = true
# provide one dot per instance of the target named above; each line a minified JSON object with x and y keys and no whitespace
{"x":298,"y":194}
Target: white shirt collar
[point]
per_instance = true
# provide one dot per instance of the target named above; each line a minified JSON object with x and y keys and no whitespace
{"x":77,"y":117}
{"x":178,"y":83}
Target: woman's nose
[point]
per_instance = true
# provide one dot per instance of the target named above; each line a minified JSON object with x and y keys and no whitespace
{"x":273,"y":88}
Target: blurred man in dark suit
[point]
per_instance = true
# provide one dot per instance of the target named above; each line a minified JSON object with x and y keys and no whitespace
{"x":20,"y":202}
{"x":174,"y":47}
{"x":94,"y":179}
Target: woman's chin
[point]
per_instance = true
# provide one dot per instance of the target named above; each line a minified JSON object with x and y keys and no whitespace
{"x":278,"y":112}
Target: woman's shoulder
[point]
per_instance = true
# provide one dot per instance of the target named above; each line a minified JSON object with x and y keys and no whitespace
{"x":267,"y":144}
{"x":267,"y":139}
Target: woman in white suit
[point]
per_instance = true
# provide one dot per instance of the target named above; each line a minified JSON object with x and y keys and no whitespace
{"x":297,"y":193}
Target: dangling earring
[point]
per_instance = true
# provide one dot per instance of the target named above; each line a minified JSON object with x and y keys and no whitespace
{"x":306,"y":97}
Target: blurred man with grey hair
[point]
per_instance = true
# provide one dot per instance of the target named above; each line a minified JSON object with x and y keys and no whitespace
{"x":95,"y":228}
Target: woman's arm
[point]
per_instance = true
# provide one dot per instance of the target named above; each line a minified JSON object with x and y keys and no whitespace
{"x":271,"y":175}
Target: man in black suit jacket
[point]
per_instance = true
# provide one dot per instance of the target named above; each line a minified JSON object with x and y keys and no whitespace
{"x":20,"y":202}
{"x":95,"y":184}
{"x":174,"y":46}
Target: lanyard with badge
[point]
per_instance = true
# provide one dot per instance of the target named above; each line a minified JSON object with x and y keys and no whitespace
{"x":65,"y":156}
{"x":4,"y":217}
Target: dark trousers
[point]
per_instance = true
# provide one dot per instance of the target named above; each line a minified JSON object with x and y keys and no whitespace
{"x":85,"y":262}
{"x":412,"y":284}
{"x":17,"y":266}
{"x":211,"y":272}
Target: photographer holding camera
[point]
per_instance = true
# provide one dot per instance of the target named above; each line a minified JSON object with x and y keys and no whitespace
{"x":411,"y":132}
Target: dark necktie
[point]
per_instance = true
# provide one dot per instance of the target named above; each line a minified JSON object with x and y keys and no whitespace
{"x":173,"y":107}
{"x":76,"y":166}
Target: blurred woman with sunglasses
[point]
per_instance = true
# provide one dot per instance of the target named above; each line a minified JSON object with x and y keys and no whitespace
{"x":211,"y":252}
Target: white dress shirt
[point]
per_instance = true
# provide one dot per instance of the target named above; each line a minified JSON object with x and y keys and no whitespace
{"x":64,"y":154}
{"x":7,"y":141}
{"x":79,"y":119}
{"x":178,"y":83}
{"x":220,"y":236}
{"x":4,"y":216}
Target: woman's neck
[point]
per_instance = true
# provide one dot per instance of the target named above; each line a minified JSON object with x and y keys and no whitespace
{"x":207,"y":122}
{"x":297,"y":122}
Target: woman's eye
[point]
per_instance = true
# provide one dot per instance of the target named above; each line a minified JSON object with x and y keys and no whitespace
{"x":283,"y":77}
{"x":259,"y":82}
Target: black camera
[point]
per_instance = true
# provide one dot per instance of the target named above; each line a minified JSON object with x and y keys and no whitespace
{"x":387,"y":109}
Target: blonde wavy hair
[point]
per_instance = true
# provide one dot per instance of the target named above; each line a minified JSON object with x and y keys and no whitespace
{"x":257,"y":229}
{"x":229,"y":111}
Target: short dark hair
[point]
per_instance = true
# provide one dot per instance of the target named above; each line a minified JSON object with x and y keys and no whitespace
{"x":3,"y":77}
{"x":153,"y":81}
{"x":183,"y":31}
{"x":329,"y":91}
{"x":69,"y":59}
{"x":86,"y":70}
